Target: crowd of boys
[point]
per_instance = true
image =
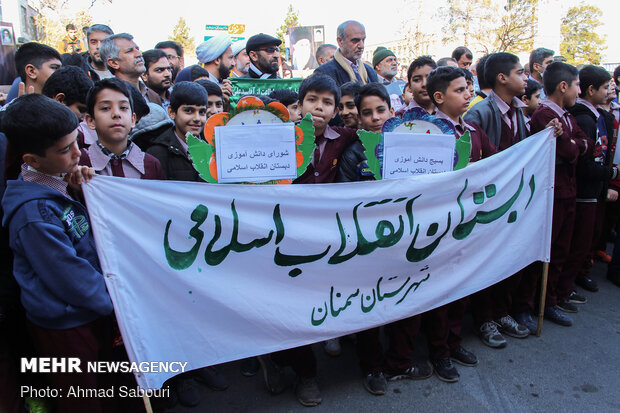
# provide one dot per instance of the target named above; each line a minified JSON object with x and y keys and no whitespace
{"x":114,"y":110}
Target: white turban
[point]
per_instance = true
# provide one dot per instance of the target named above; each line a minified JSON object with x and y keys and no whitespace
{"x":237,"y":47}
{"x":213,"y":48}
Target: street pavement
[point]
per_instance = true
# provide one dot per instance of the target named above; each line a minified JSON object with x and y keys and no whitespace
{"x":567,"y":369}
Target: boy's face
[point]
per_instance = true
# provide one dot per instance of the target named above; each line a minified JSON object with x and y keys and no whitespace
{"x":189,"y":118}
{"x":215,"y":105}
{"x":322,"y":107}
{"x":407,"y":96}
{"x":418,"y":85}
{"x":113,"y":118}
{"x":532,"y":103}
{"x":611,"y":93}
{"x":598,"y":96}
{"x":572,"y":93}
{"x":39,"y":76}
{"x":516,"y":81}
{"x":348,"y":111}
{"x":294,"y":111}
{"x":79,"y":109}
{"x":456,"y":99}
{"x":471,"y":89}
{"x":60,"y":158}
{"x":374,"y":111}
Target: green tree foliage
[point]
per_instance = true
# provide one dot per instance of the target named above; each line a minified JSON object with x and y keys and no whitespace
{"x":580,"y":42}
{"x":182,"y":35}
{"x":291,"y":20}
{"x":517,"y":28}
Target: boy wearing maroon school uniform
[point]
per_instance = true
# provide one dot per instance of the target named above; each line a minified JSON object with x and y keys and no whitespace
{"x":447,"y":87}
{"x":561,"y":84}
{"x":319,"y":95}
{"x":593,"y":174}
{"x":500,"y":115}
{"x":111,"y":115}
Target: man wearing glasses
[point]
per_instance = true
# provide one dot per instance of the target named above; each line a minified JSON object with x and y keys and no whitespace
{"x":174,"y":53}
{"x":264,"y":53}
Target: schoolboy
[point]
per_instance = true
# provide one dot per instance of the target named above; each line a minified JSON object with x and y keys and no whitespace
{"x":111,"y":115}
{"x":290,"y":99}
{"x":319,"y":95}
{"x":35,"y":62}
{"x":69,"y":85}
{"x":594,"y":171}
{"x":416,"y":79}
{"x":216,"y":97}
{"x":531,"y":98}
{"x":561,"y":83}
{"x":55,"y":262}
{"x":499,"y":114}
{"x":188,"y":110}
{"x":374,"y":107}
{"x":501,"y":117}
{"x":447,"y":87}
{"x":347,"y":108}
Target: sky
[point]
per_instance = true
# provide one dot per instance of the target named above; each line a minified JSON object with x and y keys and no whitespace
{"x":153,"y":21}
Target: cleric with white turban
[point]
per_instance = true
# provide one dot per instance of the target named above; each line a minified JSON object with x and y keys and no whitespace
{"x":237,"y":47}
{"x":213,"y":48}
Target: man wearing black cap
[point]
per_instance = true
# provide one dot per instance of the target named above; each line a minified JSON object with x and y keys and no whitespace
{"x":264,"y":52}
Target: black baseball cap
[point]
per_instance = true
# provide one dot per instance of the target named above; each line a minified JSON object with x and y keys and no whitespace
{"x":261,"y":39}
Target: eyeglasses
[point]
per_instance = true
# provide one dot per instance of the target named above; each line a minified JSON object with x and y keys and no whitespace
{"x":170,"y":57}
{"x":270,"y":50}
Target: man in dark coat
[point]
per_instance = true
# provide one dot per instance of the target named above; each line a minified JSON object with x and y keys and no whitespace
{"x":347,"y":65}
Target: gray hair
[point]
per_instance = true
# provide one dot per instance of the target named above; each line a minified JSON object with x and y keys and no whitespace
{"x":341,"y":32}
{"x":321,"y":51}
{"x":98,"y":28}
{"x":109,"y":49}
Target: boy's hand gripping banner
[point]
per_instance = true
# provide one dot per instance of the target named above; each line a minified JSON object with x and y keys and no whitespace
{"x":212,"y":273}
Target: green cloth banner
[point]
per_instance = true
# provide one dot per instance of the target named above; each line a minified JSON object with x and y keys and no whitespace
{"x":247,"y":86}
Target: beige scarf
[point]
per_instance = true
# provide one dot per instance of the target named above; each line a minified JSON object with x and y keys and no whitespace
{"x":361,"y":68}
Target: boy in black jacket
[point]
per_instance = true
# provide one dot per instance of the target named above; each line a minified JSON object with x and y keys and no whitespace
{"x":594,"y":170}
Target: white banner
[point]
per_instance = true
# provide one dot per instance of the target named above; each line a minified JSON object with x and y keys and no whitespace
{"x":212,"y":273}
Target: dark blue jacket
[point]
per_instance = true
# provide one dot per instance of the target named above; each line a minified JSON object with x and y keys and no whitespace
{"x":336,"y":72}
{"x":55,"y":262}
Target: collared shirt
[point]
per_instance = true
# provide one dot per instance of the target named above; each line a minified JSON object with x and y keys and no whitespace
{"x":55,"y":182}
{"x":183,"y":145}
{"x":105,"y":162}
{"x":90,"y":136}
{"x":355,"y":66}
{"x":414,"y":104}
{"x":563,"y":114}
{"x":589,"y":106}
{"x":460,"y":127}
{"x":214,"y":79}
{"x":321,"y":141}
{"x":504,"y":108}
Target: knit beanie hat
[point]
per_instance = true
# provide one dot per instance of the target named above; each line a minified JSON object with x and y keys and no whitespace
{"x":380,"y":54}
